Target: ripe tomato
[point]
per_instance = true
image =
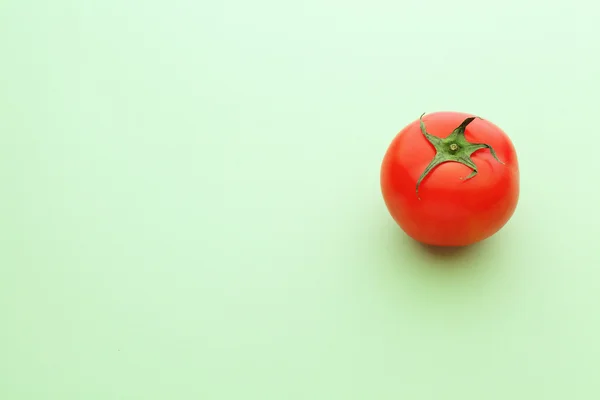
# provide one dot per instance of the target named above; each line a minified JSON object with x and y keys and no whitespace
{"x":450,"y":179}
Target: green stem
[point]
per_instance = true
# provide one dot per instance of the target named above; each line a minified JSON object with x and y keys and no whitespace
{"x":453,"y":148}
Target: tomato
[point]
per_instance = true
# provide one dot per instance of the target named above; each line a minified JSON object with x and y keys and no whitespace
{"x":450,"y":179}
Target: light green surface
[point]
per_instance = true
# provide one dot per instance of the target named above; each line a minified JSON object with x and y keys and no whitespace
{"x":191,"y":207}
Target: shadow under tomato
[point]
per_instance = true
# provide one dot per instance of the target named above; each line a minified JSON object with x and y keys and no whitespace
{"x":445,"y":251}
{"x":446,"y":257}
{"x":429,"y":276}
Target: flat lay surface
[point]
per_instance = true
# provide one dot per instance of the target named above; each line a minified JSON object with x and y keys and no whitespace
{"x":191,"y":205}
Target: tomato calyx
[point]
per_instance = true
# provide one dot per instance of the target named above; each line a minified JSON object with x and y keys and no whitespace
{"x":454,"y":148}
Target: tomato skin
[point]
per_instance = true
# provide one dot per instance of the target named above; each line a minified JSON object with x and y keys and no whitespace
{"x":449,"y":210}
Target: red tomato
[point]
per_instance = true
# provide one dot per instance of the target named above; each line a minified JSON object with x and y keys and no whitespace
{"x":450,"y":179}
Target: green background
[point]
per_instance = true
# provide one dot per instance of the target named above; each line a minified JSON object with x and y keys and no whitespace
{"x":190,"y":204}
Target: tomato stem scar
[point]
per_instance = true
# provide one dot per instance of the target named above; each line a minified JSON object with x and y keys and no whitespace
{"x":454,"y":148}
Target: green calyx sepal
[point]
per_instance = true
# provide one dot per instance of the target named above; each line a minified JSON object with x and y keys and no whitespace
{"x":454,"y":148}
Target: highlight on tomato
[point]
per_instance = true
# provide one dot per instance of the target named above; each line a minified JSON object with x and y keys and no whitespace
{"x":450,"y":179}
